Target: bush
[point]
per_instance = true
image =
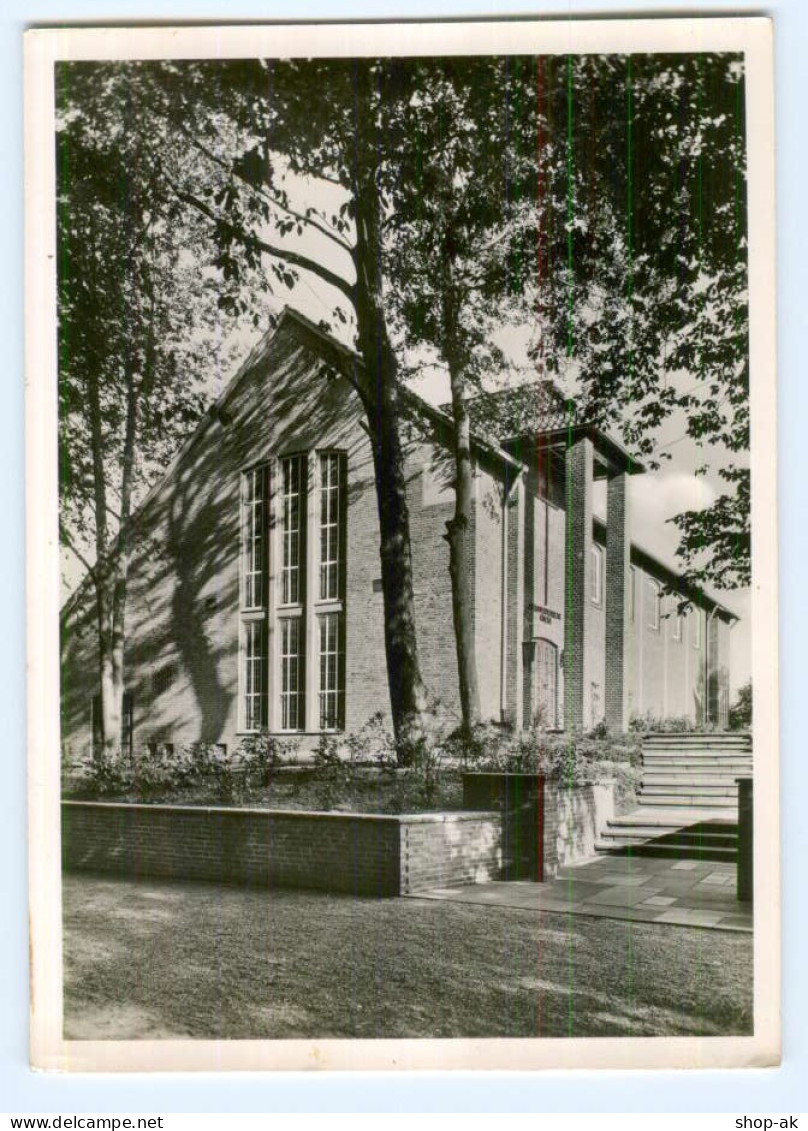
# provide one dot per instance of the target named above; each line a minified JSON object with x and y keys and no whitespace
{"x":259,"y":756}
{"x":105,"y":775}
{"x":740,"y":713}
{"x":675,"y":724}
{"x":583,"y":756}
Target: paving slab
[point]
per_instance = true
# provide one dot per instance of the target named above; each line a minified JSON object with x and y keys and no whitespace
{"x":637,"y":889}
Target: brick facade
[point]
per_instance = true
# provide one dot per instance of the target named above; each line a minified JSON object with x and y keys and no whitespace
{"x":546,"y":648}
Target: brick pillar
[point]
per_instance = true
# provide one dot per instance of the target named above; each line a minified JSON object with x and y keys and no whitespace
{"x":618,"y":634}
{"x":580,"y":463}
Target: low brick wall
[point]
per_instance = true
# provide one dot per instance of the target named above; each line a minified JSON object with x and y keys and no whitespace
{"x":447,"y":849}
{"x":574,"y":816}
{"x":565,"y":820}
{"x":349,"y":852}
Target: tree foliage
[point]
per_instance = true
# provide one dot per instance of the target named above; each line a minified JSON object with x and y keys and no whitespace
{"x":138,"y":323}
{"x":642,"y":268}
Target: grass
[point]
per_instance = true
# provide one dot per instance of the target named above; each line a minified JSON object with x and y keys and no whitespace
{"x":158,"y":959}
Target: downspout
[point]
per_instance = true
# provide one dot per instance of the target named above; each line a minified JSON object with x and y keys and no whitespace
{"x":503,"y":666}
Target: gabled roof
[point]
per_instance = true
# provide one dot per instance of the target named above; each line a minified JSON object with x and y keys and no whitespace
{"x":335,"y":356}
{"x":349,"y":363}
{"x":535,"y":406}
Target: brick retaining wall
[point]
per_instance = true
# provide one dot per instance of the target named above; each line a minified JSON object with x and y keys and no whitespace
{"x":573,"y":819}
{"x":358,"y":853}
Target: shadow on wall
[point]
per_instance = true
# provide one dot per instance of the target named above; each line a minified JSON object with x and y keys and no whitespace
{"x":183,"y":599}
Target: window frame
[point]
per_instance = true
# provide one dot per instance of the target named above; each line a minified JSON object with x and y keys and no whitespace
{"x":596,"y":575}
{"x":297,"y":569}
{"x":253,"y":598}
{"x":676,"y":626}
{"x":331,"y":692}
{"x":254,"y":532}
{"x":297,"y":695}
{"x":247,"y":689}
{"x":652,"y":619}
{"x":697,"y":629}
{"x":632,"y":594}
{"x":284,"y":684}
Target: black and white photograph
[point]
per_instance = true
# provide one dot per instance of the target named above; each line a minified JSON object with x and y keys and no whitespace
{"x":402,"y":651}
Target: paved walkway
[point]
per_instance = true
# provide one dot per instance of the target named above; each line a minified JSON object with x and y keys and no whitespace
{"x":645,"y":889}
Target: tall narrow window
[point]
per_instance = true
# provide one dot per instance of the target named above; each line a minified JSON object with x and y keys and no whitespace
{"x":254,"y":510}
{"x":596,"y":576}
{"x":254,"y":675}
{"x":330,"y":526}
{"x":654,"y":600}
{"x":632,"y":594}
{"x":676,"y":627}
{"x":254,"y":599}
{"x":697,"y":628}
{"x":332,"y":672}
{"x":331,"y":590}
{"x":293,"y":478}
{"x":292,"y":685}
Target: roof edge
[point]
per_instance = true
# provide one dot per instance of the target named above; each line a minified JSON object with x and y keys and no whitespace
{"x":667,"y":572}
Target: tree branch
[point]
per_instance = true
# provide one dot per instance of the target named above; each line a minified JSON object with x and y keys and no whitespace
{"x":294,"y":258}
{"x":264,"y":191}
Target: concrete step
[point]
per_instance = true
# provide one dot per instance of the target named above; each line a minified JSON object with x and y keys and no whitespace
{"x":690,"y":801}
{"x":719,"y":788}
{"x":707,"y":738}
{"x":696,"y":755}
{"x":703,"y":776}
{"x":665,"y":822}
{"x":701,"y":832}
{"x":727,"y":766}
{"x":684,"y":846}
{"x":656,"y":848}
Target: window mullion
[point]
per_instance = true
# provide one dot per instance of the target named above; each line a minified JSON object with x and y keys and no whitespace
{"x":273,"y":516}
{"x":311,"y":592}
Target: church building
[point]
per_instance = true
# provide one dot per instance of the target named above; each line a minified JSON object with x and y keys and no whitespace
{"x":255,"y":602}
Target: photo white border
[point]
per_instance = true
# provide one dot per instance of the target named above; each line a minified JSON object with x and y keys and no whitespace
{"x":42,"y":48}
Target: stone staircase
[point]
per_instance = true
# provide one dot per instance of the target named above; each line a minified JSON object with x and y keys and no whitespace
{"x":688,"y":798}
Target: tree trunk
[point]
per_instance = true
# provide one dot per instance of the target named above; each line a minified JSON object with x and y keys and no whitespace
{"x":111,"y":705}
{"x":381,"y":393}
{"x":112,"y":565}
{"x":461,"y":549}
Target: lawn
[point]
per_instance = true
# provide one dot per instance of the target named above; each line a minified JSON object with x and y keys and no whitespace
{"x":157,"y":959}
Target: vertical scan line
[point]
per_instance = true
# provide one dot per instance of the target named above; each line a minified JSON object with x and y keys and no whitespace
{"x":629,"y":206}
{"x":737,"y":153}
{"x":706,"y":641}
{"x":571,"y":747}
{"x":567,"y":701}
{"x":569,"y":206}
{"x":629,"y":364}
{"x":542,"y":425}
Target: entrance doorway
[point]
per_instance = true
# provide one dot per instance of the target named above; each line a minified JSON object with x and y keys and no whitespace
{"x":546,"y":684}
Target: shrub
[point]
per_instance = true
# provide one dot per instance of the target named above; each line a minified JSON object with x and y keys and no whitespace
{"x":259,"y":755}
{"x":740,"y":713}
{"x":649,"y":723}
{"x":104,"y":775}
